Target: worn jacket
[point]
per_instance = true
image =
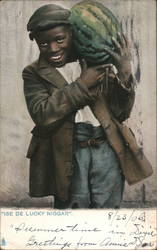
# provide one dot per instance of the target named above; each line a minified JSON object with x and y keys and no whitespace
{"x":52,"y":104}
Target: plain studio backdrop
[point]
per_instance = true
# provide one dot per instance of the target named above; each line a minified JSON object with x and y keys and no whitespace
{"x":17,"y":51}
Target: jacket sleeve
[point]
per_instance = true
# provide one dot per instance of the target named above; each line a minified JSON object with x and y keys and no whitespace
{"x":121,"y":98}
{"x":48,"y":110}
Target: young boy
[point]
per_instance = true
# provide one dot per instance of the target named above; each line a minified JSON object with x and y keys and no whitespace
{"x":70,"y":154}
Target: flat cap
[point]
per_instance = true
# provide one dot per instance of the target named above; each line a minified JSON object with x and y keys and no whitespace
{"x":48,"y":16}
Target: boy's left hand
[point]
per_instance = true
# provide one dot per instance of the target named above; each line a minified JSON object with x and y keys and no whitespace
{"x":121,"y":56}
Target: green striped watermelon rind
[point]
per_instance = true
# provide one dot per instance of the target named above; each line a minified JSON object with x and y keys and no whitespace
{"x":94,"y":25}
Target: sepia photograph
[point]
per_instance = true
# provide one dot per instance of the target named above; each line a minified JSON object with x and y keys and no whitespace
{"x":78,"y":122}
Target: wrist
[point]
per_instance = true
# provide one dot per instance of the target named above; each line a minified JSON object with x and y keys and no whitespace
{"x":124,"y":76}
{"x":124,"y":70}
{"x":85,"y":84}
{"x":128,"y":84}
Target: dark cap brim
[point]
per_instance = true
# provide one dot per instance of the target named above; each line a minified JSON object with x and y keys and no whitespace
{"x":46,"y":17}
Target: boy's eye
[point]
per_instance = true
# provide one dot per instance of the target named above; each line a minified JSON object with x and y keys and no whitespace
{"x":43,"y":45}
{"x":60,"y":40}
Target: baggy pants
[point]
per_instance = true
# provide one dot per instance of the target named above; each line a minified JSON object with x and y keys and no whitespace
{"x":97,"y":181}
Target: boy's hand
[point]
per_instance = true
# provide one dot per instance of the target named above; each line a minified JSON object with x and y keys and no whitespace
{"x":92,"y":76}
{"x":122,"y":57}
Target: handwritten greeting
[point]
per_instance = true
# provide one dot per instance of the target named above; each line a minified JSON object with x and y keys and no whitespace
{"x":86,"y":229}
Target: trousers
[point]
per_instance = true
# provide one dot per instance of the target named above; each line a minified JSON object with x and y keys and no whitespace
{"x":97,"y":181}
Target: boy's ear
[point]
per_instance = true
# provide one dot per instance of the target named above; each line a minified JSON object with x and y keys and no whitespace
{"x":31,"y":37}
{"x":70,"y":30}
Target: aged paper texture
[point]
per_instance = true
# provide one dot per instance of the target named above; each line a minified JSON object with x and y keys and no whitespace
{"x":32,"y":223}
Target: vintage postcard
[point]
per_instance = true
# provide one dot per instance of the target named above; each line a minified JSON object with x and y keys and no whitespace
{"x":73,"y":176}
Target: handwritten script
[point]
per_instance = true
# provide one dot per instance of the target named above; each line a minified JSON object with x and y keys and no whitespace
{"x":115,"y":229}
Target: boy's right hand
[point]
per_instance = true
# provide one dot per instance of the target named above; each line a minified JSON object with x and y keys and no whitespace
{"x":92,"y":76}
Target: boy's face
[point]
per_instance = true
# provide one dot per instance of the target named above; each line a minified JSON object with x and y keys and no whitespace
{"x":55,"y":45}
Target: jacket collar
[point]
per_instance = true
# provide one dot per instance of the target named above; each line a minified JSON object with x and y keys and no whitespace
{"x":49,"y":73}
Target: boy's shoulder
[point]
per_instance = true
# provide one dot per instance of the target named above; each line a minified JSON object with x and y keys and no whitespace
{"x":32,"y":67}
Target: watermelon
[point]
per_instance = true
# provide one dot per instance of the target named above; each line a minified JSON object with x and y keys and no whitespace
{"x":94,"y":25}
